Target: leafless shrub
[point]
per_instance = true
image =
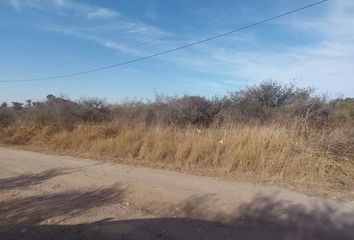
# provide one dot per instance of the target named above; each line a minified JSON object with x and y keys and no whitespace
{"x":7,"y":116}
{"x":55,"y":111}
{"x":269,"y":102}
{"x":261,"y":103}
{"x":94,"y":110}
{"x":193,"y":110}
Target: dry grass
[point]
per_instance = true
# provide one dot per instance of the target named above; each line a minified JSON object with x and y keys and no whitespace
{"x":270,"y":153}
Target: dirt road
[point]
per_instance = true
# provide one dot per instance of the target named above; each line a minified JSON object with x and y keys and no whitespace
{"x":55,"y":197}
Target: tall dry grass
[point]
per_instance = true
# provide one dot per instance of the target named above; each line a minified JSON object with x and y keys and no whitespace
{"x":266,"y":152}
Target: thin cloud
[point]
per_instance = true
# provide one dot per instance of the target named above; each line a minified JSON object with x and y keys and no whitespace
{"x":120,"y":47}
{"x":104,"y":42}
{"x":88,"y":10}
{"x":326,"y":64}
{"x":102,"y":13}
{"x":16,"y":4}
{"x":325,"y":61}
{"x":130,"y":31}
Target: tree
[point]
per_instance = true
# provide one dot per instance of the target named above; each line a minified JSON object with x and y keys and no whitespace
{"x":29,"y":103}
{"x":36,"y":104}
{"x":3,"y":105}
{"x":50,"y":97}
{"x":17,"y":105}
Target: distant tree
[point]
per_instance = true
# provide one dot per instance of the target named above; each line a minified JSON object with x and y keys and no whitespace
{"x":50,"y":97}
{"x":17,"y":105}
{"x":29,"y":103}
{"x":3,"y":105}
{"x":36,"y":104}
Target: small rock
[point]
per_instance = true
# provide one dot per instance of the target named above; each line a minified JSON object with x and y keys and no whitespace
{"x":14,"y":194}
{"x":158,"y":234}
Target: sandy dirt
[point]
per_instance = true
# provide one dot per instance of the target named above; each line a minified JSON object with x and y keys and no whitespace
{"x":55,"y":197}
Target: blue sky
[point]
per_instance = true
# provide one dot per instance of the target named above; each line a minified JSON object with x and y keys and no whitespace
{"x":41,"y":38}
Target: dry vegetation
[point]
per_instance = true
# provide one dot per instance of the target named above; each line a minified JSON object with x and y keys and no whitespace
{"x":271,"y":132}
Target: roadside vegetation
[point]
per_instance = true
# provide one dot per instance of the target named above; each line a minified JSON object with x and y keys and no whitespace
{"x":271,"y":132}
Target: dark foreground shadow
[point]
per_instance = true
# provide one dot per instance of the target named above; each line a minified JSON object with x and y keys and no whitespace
{"x":170,"y":228}
{"x":269,"y":217}
{"x":30,"y":179}
{"x":29,"y":211}
{"x":265,"y":217}
{"x":262,"y":218}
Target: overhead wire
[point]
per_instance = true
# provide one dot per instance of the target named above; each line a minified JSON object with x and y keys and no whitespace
{"x":99,"y":55}
{"x":169,"y":50}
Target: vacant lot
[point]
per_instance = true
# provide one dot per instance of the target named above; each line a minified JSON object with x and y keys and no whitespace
{"x":271,"y":133}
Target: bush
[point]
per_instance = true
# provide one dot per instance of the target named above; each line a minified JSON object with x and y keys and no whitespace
{"x":7,"y":116}
{"x":94,"y":110}
{"x":347,"y":105}
{"x":269,"y":102}
{"x":189,"y":110}
{"x":59,"y":111}
{"x":261,"y":103}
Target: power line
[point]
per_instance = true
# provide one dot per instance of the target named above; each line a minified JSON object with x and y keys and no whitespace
{"x":170,"y":50}
{"x":99,"y":55}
